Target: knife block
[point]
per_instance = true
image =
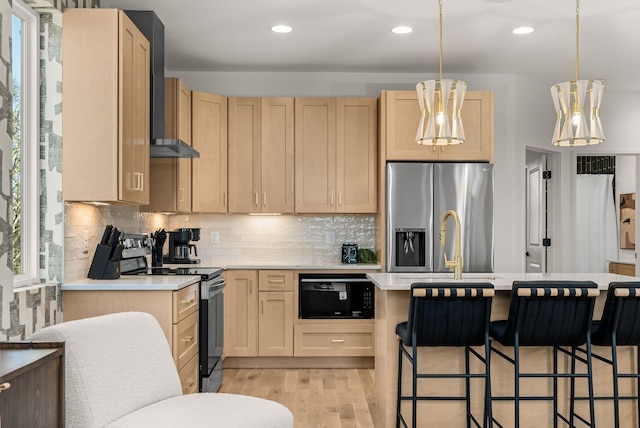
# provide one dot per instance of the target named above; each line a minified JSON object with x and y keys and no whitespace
{"x":102,"y":267}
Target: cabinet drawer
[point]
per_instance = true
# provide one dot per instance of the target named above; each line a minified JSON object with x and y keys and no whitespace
{"x":333,"y":340}
{"x":626,"y":269}
{"x":275,"y":280}
{"x":185,"y":302}
{"x":189,"y":376}
{"x":185,"y":340}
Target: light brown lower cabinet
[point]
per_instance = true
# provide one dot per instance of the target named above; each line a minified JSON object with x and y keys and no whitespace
{"x":258,"y":323}
{"x":325,"y":339}
{"x":176,"y":311}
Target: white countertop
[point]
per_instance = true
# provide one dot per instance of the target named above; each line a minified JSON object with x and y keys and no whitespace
{"x":501,"y":281}
{"x":132,"y":282}
{"x":345,"y":266}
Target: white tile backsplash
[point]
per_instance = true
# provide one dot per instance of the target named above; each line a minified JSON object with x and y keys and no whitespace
{"x":242,"y":239}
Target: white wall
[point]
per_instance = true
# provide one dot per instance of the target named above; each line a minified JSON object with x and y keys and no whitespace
{"x":524,"y":118}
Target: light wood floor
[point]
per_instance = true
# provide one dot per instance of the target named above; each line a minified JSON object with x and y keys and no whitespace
{"x":331,"y":398}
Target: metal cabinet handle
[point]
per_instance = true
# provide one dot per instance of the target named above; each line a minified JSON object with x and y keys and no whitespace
{"x":256,"y":198}
{"x":189,"y":301}
{"x":340,"y":199}
{"x":5,"y":386}
{"x":264,"y":199}
{"x":262,"y":308}
{"x":331,"y":197}
{"x":337,"y":340}
{"x":188,"y":339}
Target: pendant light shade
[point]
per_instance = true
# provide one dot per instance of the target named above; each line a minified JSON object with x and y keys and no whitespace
{"x":577,"y":105}
{"x":440,"y":106}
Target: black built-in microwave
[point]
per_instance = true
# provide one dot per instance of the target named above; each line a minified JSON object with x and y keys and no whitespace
{"x":328,"y":295}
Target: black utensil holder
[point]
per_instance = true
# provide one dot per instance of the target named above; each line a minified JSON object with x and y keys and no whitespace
{"x":102,"y":267}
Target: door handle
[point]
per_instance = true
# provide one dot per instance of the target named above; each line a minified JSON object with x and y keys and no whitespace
{"x":527,"y":254}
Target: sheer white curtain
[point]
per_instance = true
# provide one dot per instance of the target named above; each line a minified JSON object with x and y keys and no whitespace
{"x":596,"y":223}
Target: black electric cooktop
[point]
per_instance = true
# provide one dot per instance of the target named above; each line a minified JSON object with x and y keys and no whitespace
{"x":205,"y":273}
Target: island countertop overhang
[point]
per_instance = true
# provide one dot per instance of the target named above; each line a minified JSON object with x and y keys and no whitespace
{"x":501,"y":281}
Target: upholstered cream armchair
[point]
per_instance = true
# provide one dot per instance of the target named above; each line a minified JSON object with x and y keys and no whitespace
{"x":119,"y":373}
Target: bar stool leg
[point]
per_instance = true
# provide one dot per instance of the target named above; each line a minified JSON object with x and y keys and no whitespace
{"x":414,"y":401}
{"x":638,"y":379}
{"x":516,"y":380}
{"x":467,"y":385}
{"x":399,"y":395}
{"x":488,"y":407}
{"x":592,"y":416}
{"x":572,"y":391}
{"x":555,"y":387}
{"x":616,"y":393}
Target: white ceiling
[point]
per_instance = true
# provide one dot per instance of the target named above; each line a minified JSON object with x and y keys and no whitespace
{"x":354,"y":36}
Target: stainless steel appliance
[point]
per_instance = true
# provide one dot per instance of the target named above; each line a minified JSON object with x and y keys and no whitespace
{"x":418,"y":196}
{"x":181,"y":248}
{"x":211,"y":330}
{"x":335,"y":296}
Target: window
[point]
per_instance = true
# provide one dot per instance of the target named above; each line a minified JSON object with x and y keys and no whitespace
{"x":24,"y":174}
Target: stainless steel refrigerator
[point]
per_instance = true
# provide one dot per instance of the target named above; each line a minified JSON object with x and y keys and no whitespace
{"x":418,"y":196}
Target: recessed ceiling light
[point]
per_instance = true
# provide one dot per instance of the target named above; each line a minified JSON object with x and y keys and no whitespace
{"x":401,"y":29}
{"x":523,"y":30}
{"x":281,"y":29}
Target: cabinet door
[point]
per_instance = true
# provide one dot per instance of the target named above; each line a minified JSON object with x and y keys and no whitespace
{"x":276,"y":280}
{"x":357,"y":130}
{"x":134,"y":106}
{"x":241,"y":313}
{"x":244,"y":155}
{"x":315,"y":153}
{"x":277,"y":155}
{"x":183,"y":132}
{"x":477,"y":119}
{"x":209,"y":134}
{"x":401,"y":114}
{"x":276,"y":324}
{"x":171,"y":178}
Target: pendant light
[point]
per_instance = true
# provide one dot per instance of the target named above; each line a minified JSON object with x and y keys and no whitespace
{"x":577,"y":106}
{"x":439,"y":125}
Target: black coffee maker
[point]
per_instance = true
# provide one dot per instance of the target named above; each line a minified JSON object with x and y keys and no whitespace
{"x":180,"y":246}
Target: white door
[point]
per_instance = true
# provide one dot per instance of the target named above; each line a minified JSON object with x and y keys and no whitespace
{"x":536,"y":252}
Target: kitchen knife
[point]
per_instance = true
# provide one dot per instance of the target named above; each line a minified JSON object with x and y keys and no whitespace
{"x":115,"y":236}
{"x":106,"y":234}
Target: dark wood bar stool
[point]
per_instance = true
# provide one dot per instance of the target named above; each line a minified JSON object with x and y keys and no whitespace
{"x":619,"y":326}
{"x":553,"y":314}
{"x":446,"y":314}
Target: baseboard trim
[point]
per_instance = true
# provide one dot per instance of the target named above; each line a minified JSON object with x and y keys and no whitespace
{"x":298,"y":362}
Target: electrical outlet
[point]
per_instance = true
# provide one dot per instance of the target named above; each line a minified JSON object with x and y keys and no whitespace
{"x":330,"y":237}
{"x":215,"y":237}
{"x":85,"y":241}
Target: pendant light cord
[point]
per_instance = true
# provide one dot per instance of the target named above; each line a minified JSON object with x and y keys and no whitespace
{"x":577,"y":36}
{"x":441,"y":40}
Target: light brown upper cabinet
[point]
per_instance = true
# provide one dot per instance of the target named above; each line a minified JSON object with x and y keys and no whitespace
{"x":209,"y":138}
{"x":400,"y":114}
{"x":171,"y":177}
{"x":261,"y":155}
{"x":106,"y":102}
{"x":335,"y":152}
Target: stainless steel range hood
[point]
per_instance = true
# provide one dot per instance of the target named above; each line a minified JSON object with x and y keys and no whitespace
{"x":153,"y":29}
{"x":171,"y":148}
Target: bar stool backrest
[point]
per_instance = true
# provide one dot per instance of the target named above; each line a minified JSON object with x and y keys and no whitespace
{"x":621,"y":315}
{"x":551,"y":313}
{"x":449,"y":314}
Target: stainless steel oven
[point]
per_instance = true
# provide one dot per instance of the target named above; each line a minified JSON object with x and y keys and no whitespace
{"x":211,"y":332}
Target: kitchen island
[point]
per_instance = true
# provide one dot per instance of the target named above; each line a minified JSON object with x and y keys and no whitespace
{"x":392,"y":304}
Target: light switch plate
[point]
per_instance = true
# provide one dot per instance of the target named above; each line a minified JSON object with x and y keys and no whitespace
{"x":215,"y":237}
{"x":330,"y":237}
